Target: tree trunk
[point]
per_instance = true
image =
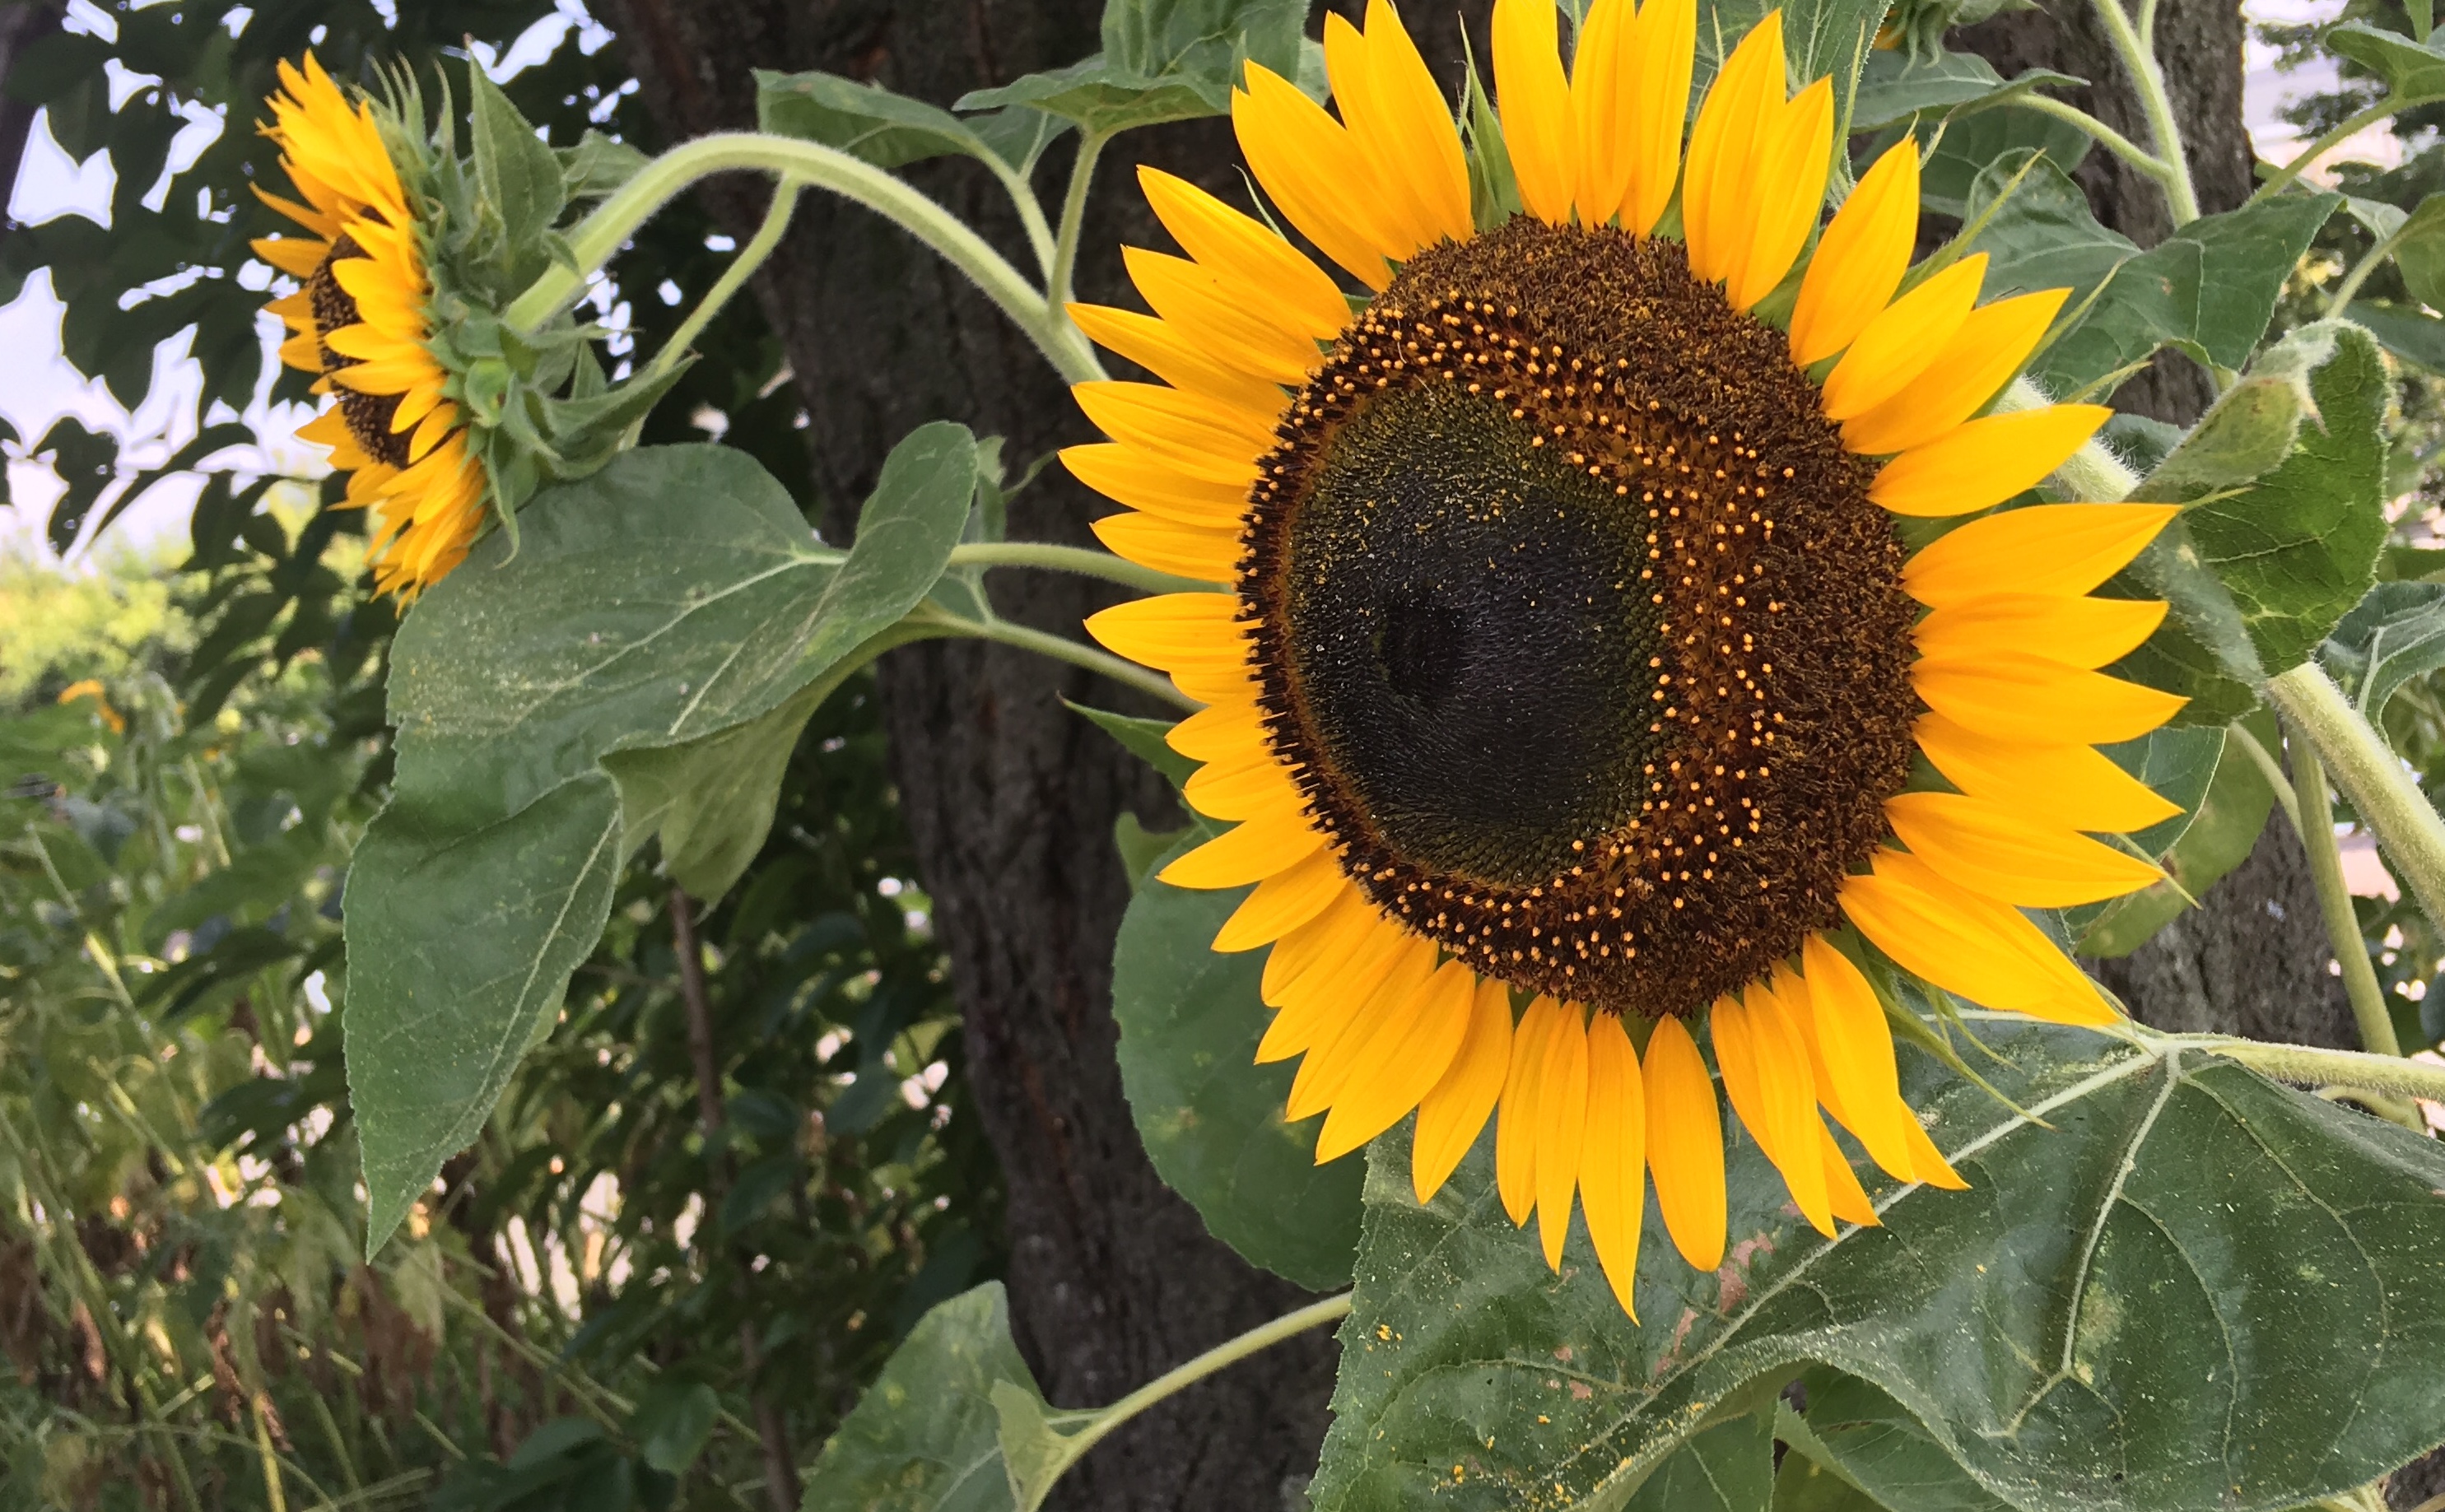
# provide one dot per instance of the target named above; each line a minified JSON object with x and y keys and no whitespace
{"x":1010,"y":797}
{"x":2252,"y":958}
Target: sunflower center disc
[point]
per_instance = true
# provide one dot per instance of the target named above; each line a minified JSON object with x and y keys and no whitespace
{"x":368,"y":416}
{"x":1576,"y":623}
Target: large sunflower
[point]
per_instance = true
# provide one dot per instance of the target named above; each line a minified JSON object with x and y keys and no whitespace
{"x":359,"y":323}
{"x":1571,"y":657}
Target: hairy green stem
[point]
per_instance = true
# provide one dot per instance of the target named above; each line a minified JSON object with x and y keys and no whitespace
{"x":2270,"y":768}
{"x":2350,"y":126}
{"x":931,"y":620}
{"x":1331,"y":1310}
{"x":593,"y":241}
{"x":1062,"y":275}
{"x":2106,"y":137}
{"x":2369,"y":774}
{"x":2312,"y":1066}
{"x":2317,"y":828}
{"x":2181,"y":197}
{"x":768,"y":236}
{"x":1085,"y":560}
{"x":2342,"y":297}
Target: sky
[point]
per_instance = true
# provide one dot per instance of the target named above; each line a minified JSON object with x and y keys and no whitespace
{"x":37,"y":385}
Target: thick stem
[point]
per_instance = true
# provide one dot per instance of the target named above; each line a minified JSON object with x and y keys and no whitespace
{"x":1060,"y":281}
{"x":768,"y":236}
{"x":1333,"y":1308}
{"x":2309,"y":1066}
{"x":1085,"y":560}
{"x":2316,"y":824}
{"x":594,"y":240}
{"x":780,"y":1468}
{"x":2149,"y":81}
{"x":2389,"y":802}
{"x":2106,"y":137}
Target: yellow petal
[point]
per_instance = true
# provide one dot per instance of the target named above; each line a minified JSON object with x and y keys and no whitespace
{"x":297,"y":256}
{"x":1561,"y":1126}
{"x":1217,"y":732}
{"x":1244,"y":252}
{"x":1844,"y":1193}
{"x":1982,"y":357}
{"x":1902,"y":339}
{"x":1157,"y":347}
{"x":1321,"y":947}
{"x":1790,"y":191}
{"x":1170,"y":630}
{"x":1861,"y":259}
{"x":1974,"y":946}
{"x":1192,"y":436}
{"x":1250,"y":853}
{"x":1282,"y":903}
{"x":1613,"y":1159}
{"x":1401,"y":127}
{"x":1145,"y":482}
{"x":1317,"y":1007}
{"x":1601,"y":104}
{"x":1514,"y":1132}
{"x":1404,"y":1058}
{"x":1202,"y":308}
{"x":1684,"y":1145}
{"x":1353,"y":1050}
{"x":1766,"y":1078}
{"x":1927,"y":1163}
{"x":2082,"y":632}
{"x":2013,"y":696}
{"x":2074,"y":786}
{"x":1991,"y":847}
{"x":1243,"y":787}
{"x":2044,"y":549}
{"x":1535,"y":102}
{"x":1454,"y":1112}
{"x":1313,"y":172}
{"x":1719,"y":201}
{"x":1851,"y":1053}
{"x":1184,"y":550}
{"x":1666,"y":46}
{"x":1985,"y":462}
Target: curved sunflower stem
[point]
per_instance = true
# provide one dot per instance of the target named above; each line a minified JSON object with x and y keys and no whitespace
{"x":932,"y":621}
{"x":1062,"y":275}
{"x":1067,"y":1448}
{"x":2315,"y":823}
{"x":2342,"y":297}
{"x":2105,"y":136}
{"x":2351,"y":125}
{"x":2389,"y":802}
{"x":594,"y":240}
{"x":2181,"y":197}
{"x":1086,"y":561}
{"x":2395,"y":1079}
{"x":768,"y":236}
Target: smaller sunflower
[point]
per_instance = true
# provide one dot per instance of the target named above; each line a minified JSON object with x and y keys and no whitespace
{"x":360,"y":323}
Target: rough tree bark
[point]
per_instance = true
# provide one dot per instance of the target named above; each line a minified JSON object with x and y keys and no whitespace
{"x":1011,"y":798}
{"x":2253,"y":958}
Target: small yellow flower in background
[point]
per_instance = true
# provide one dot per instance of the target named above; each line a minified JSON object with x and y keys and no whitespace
{"x":359,"y":323}
{"x":91,"y":688}
{"x":1570,"y":651}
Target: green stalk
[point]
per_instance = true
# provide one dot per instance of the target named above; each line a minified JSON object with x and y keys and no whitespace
{"x":2389,"y":802}
{"x":2106,"y":137}
{"x":2334,"y":902}
{"x":927,"y":620}
{"x":1074,"y":1446}
{"x":1086,"y":561}
{"x":768,"y":236}
{"x":2361,"y":270}
{"x":594,"y":240}
{"x":2180,"y":196}
{"x":2309,"y":1066}
{"x":2327,"y":144}
{"x":1061,"y":277}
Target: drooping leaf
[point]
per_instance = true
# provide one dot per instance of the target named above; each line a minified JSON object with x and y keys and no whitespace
{"x":2419,"y":252}
{"x":1162,"y":59}
{"x":1894,"y":86}
{"x":2409,"y":69}
{"x":2414,"y":335}
{"x":873,"y":124}
{"x":1821,"y":38}
{"x":514,"y":170}
{"x":1143,"y":738}
{"x":461,"y":940}
{"x":2394,"y":634}
{"x":1866,"y":1441}
{"x":2195,"y":1291}
{"x":1212,"y":1118}
{"x":1729,"y":1467}
{"x":926,"y":1435}
{"x":673,"y":1423}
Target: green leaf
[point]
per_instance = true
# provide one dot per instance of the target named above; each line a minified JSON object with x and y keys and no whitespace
{"x":2195,"y":1291}
{"x":1980,"y":155}
{"x":673,"y":1423}
{"x":514,"y":170}
{"x":1820,"y":37}
{"x":461,"y":943}
{"x":711,"y":800}
{"x":1894,"y":88}
{"x":1730,"y":1467}
{"x":2215,"y":836}
{"x":1211,"y":1118}
{"x":1163,"y":60}
{"x":926,"y":1437}
{"x":598,"y":166}
{"x":2394,"y":634}
{"x":1143,"y":738}
{"x":2419,"y":252}
{"x":2409,"y":69}
{"x":1869,"y":1443}
{"x":2209,"y":289}
{"x":2412,"y":334}
{"x":870,"y":123}
{"x":1804,"y":1485}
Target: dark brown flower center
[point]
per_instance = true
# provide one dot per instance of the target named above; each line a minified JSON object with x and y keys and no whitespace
{"x":368,"y":416}
{"x":1576,"y":623}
